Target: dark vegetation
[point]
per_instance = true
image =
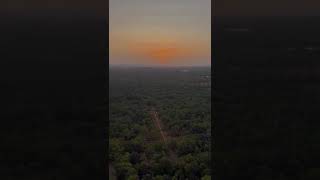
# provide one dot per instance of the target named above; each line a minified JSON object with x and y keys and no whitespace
{"x":182,"y":100}
{"x":266,"y":98}
{"x":53,"y":97}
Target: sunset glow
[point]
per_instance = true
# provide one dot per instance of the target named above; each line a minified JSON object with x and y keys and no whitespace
{"x":160,"y":53}
{"x":156,"y":32}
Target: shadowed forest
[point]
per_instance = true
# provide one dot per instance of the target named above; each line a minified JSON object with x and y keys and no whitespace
{"x":160,"y":123}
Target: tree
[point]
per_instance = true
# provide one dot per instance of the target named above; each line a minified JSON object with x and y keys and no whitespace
{"x":159,"y":178}
{"x":165,"y":166}
{"x":134,"y":157}
{"x":206,"y":177}
{"x":115,"y":149}
{"x":186,"y":145}
{"x":172,"y":144}
{"x":125,"y":170}
{"x":133,"y":177}
{"x":179,"y":175}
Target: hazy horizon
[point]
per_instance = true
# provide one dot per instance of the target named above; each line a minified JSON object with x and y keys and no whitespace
{"x":160,"y":33}
{"x":160,"y":66}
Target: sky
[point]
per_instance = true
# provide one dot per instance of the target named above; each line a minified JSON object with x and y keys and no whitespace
{"x":160,"y":32}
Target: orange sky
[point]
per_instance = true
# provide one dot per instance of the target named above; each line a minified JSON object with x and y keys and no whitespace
{"x":153,"y":32}
{"x":159,"y":53}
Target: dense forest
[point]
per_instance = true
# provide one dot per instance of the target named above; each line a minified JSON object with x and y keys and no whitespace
{"x":160,"y":123}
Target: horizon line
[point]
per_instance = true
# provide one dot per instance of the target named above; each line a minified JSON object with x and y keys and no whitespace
{"x":160,"y":65}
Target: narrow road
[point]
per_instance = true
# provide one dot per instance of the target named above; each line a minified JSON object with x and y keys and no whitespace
{"x":156,"y":121}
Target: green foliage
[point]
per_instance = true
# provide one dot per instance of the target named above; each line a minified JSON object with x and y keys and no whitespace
{"x":136,"y":148}
{"x":115,"y":149}
{"x":125,"y":170}
{"x":206,"y":177}
{"x":133,"y":177}
{"x":164,"y":166}
{"x":159,"y":178}
{"x":187,"y":145}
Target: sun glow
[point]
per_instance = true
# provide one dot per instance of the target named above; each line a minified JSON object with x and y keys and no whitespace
{"x":160,"y":52}
{"x":162,"y":55}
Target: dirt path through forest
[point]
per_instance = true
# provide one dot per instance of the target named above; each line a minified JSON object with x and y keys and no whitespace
{"x":156,"y":121}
